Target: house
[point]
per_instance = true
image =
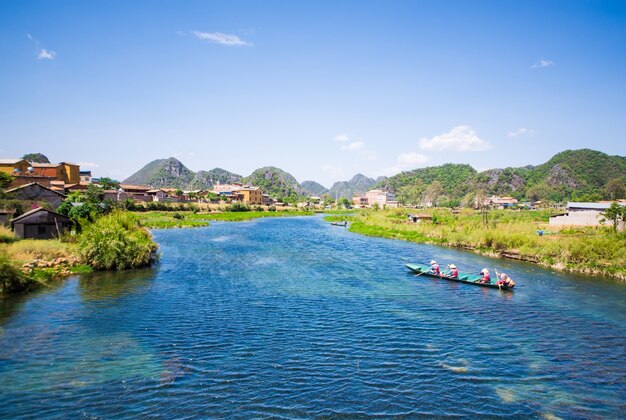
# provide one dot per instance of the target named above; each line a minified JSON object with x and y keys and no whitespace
{"x":135,"y":192}
{"x":381,"y":198}
{"x":250,"y":195}
{"x":14,"y":166}
{"x":359,"y":201}
{"x":584,"y":214}
{"x":501,"y":202}
{"x":64,"y":171}
{"x":85,"y":176}
{"x":6,"y":216}
{"x":40,"y":223}
{"x":158,"y":195}
{"x":36,"y":192}
{"x":115,"y":195}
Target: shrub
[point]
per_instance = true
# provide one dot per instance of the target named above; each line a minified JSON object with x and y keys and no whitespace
{"x":117,"y":241}
{"x":238,"y":207}
{"x":6,"y":236}
{"x":12,"y":280}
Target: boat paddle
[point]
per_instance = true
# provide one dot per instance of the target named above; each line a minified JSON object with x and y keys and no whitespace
{"x":498,"y":279}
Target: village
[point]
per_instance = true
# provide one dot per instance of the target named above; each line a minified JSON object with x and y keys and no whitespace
{"x":44,"y":186}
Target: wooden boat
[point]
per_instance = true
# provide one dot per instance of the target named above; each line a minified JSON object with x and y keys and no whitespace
{"x":344,"y":224}
{"x":423,"y":270}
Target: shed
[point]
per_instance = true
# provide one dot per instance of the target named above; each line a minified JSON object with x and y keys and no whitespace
{"x":40,"y":223}
{"x":416,"y":218}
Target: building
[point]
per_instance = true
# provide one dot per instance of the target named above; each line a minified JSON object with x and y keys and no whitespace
{"x":418,"y":218}
{"x":584,"y":214}
{"x":40,"y":224}
{"x":14,"y":166}
{"x":135,"y":192}
{"x":501,"y":202}
{"x":36,"y":193}
{"x":250,"y":195}
{"x":66,"y":172}
{"x":85,"y":177}
{"x":158,"y":195}
{"x":381,"y":198}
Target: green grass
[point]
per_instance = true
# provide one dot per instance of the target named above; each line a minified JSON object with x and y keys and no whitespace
{"x":163,"y":220}
{"x":585,"y":249}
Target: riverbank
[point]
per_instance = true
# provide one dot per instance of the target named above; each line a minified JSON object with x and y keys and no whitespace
{"x":112,"y":242}
{"x":507,"y":234}
{"x":188,"y":219}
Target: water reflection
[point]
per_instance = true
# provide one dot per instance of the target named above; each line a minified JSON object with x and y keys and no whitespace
{"x":105,"y":285}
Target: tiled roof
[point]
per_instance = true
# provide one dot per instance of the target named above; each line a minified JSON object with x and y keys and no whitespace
{"x":32,"y":183}
{"x":45,"y":165}
{"x":33,"y":211}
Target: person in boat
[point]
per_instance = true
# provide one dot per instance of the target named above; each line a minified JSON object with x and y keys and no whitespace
{"x":434,"y":268}
{"x":484,"y":276}
{"x":505,"y":280}
{"x":453,"y":272}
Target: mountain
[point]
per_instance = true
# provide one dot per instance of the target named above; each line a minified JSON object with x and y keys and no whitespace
{"x":313,"y":188}
{"x":275,"y":182}
{"x":162,"y":173}
{"x":207,"y":179}
{"x":359,"y":184}
{"x":36,"y":158}
{"x":569,"y":175}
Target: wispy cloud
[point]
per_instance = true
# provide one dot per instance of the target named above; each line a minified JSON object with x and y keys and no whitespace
{"x":341,"y":137}
{"x":543,"y":63}
{"x":521,"y":132}
{"x":222,"y":39}
{"x":355,"y":145}
{"x":46,"y":55}
{"x":42,"y":53}
{"x":461,"y":138}
{"x":333,"y":171}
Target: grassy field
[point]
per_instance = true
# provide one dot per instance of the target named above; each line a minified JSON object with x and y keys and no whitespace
{"x":508,"y":233}
{"x":162,"y":220}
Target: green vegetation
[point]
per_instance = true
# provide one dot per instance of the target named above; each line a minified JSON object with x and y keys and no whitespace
{"x":36,"y":158}
{"x":117,"y":241}
{"x":12,"y":279}
{"x":165,"y":220}
{"x":277,"y":183}
{"x":575,"y":175}
{"x":508,"y":233}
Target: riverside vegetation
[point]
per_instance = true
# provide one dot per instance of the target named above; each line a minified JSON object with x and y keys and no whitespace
{"x":593,"y":250}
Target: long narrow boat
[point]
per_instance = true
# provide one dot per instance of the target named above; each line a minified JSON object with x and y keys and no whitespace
{"x":423,"y":270}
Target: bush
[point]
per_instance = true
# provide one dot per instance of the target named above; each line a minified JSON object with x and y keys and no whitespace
{"x":117,"y":241}
{"x":237,"y":207}
{"x":12,"y":280}
{"x":6,"y":236}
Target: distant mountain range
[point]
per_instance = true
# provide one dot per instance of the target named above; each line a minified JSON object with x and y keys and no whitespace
{"x":566,"y":175}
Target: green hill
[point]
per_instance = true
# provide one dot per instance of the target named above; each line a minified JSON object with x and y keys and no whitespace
{"x":207,"y":179}
{"x":162,"y":173}
{"x":569,"y":175}
{"x":275,"y":182}
{"x":313,"y":188}
{"x":359,"y":184}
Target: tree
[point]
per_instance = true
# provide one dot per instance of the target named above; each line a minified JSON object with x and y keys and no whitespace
{"x":615,"y":188}
{"x":614,"y":214}
{"x":432,"y":193}
{"x":5,"y":180}
{"x":344,"y":202}
{"x":109,"y":184}
{"x":411,"y":193}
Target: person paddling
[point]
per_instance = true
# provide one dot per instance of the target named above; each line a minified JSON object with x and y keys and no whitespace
{"x":504,"y":280}
{"x":453,"y":273}
{"x":434,"y":268}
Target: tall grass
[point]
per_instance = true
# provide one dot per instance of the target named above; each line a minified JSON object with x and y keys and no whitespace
{"x":12,"y":280}
{"x":586,"y":249}
{"x":117,"y":241}
{"x":6,"y":235}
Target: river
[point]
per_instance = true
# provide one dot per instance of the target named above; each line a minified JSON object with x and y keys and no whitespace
{"x":294,"y":317}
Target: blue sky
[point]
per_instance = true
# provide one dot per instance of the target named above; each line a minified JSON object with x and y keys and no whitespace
{"x":323,"y":90}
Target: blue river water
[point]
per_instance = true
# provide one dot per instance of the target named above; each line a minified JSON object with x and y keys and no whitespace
{"x":295,"y":318}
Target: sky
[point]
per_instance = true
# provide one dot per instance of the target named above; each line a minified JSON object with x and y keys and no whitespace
{"x":321,"y":89}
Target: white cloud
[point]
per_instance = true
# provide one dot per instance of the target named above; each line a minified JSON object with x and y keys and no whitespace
{"x":46,"y":55}
{"x":30,"y":37}
{"x":543,"y":63}
{"x":341,"y":137}
{"x":88,"y":165}
{"x":461,"y":138}
{"x":411,"y":159}
{"x":355,"y":145}
{"x":521,"y":132}
{"x":222,"y":39}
